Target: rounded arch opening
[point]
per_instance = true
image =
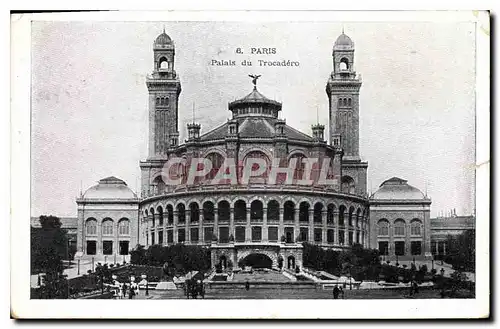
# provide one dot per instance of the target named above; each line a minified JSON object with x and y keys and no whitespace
{"x":257,"y":260}
{"x":304,"y":211}
{"x":240,"y":211}
{"x":289,"y":211}
{"x":194,"y":211}
{"x":318,"y":212}
{"x":273,"y":210}
{"x":208,"y":211}
{"x":223,"y":210}
{"x":344,"y":64}
{"x":256,"y":210}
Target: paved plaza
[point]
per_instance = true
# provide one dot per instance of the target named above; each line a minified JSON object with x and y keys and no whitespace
{"x":262,"y":293}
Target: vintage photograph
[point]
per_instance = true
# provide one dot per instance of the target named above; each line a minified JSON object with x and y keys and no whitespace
{"x":235,"y":160}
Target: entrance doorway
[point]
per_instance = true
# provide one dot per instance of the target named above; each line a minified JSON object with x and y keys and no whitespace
{"x":91,"y":247}
{"x":123,"y":247}
{"x":107,"y":247}
{"x":258,"y":261}
{"x":291,"y":263}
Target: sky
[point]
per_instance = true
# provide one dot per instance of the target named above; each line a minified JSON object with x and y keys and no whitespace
{"x":90,"y":110}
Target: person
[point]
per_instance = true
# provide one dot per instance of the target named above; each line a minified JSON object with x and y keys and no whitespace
{"x":342,"y":292}
{"x":120,"y":291}
{"x":247,"y":285}
{"x":415,"y":287}
{"x":131,"y":292}
{"x":336,"y":292}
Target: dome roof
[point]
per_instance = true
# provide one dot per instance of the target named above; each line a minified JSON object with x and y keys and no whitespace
{"x":397,"y":189}
{"x":163,"y":39}
{"x":343,"y":42}
{"x":255,"y":97}
{"x":110,"y":188}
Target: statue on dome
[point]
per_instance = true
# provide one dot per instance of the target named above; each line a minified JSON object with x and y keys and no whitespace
{"x":254,"y":79}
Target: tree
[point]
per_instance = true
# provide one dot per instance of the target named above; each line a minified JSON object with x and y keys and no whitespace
{"x":49,"y":246}
{"x":461,"y":251}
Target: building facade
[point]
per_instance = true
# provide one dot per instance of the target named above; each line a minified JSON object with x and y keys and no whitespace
{"x":259,"y":214}
{"x":107,"y":220}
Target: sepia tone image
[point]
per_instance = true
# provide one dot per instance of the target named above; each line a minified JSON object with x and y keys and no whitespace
{"x":266,"y":160}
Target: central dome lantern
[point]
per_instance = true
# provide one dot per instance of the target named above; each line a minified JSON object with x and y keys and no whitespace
{"x":255,"y":104}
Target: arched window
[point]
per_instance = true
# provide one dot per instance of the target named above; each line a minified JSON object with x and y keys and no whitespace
{"x":256,"y":166}
{"x":399,"y":227}
{"x":351,"y":212}
{"x":194,"y":211}
{"x":240,"y":210}
{"x":330,"y":213}
{"x":256,"y":210}
{"x":289,"y":211}
{"x":158,"y":101}
{"x":123,"y":227}
{"x":217,"y":161}
{"x":153,"y":218}
{"x":91,"y":226}
{"x":349,"y":102}
{"x":341,"y":215}
{"x":170,"y":214}
{"x":300,"y":166}
{"x":304,"y":212}
{"x":181,"y":213}
{"x":344,"y":64}
{"x":383,"y":227}
{"x":163,"y":63}
{"x":107,"y":226}
{"x":358,"y":218}
{"x":223,"y":210}
{"x":348,"y":185}
{"x":416,"y":227}
{"x":160,"y":215}
{"x":318,"y":212}
{"x":273,"y":210}
{"x":208,"y":211}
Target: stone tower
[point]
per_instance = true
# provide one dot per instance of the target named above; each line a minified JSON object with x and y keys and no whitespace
{"x":164,"y":88}
{"x":342,"y":89}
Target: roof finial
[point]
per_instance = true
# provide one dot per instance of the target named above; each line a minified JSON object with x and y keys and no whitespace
{"x":343,"y":29}
{"x":163,"y":28}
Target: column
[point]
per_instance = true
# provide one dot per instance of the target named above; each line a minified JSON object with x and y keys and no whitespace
{"x":346,"y":235}
{"x":296,"y":223}
{"x":231,"y":223}
{"x":248,"y":228}
{"x":99,"y":238}
{"x":264,"y":226}
{"x":281,"y":227}
{"x":324,"y":229}
{"x":311,"y":225}
{"x":201,"y":237}
{"x":391,"y":239}
{"x":336,"y":227}
{"x":407,"y":239}
{"x":115,"y":242}
{"x":216,"y":222}
{"x":188,"y":225}
{"x":176,"y":222}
